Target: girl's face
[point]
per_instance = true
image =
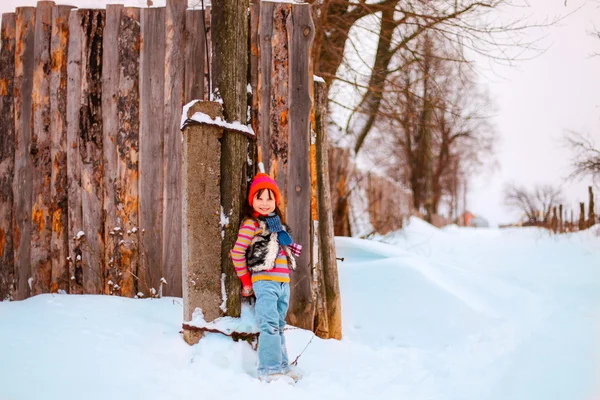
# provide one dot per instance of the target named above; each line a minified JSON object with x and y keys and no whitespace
{"x":264,"y":202}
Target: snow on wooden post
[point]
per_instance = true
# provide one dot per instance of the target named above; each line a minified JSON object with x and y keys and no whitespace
{"x":7,"y":155}
{"x":201,"y":211}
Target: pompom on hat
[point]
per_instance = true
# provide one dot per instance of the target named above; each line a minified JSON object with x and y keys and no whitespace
{"x":263,"y":181}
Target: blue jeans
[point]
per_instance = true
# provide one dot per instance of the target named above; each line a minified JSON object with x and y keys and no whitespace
{"x":272,"y":302}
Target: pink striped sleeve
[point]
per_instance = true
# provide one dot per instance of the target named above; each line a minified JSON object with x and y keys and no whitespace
{"x":238,"y":253}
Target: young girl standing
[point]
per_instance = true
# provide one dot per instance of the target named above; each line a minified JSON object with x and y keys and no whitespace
{"x":263,"y":256}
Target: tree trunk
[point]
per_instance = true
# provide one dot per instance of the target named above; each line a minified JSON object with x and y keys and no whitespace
{"x":229,"y":27}
{"x":582,"y":222}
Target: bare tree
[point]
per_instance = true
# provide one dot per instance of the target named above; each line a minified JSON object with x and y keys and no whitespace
{"x":586,"y":156}
{"x":536,"y":204}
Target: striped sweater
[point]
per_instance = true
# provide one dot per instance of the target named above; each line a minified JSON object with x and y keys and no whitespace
{"x":280,"y":273}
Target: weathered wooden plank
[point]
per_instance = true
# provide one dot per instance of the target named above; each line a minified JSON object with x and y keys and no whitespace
{"x":58,"y":152}
{"x":41,"y":232}
{"x":128,"y":146}
{"x":195,"y":55}
{"x":174,"y":75}
{"x":300,"y":30}
{"x":7,"y":155}
{"x":90,"y":24}
{"x":152,"y":73}
{"x":121,"y":148}
{"x":208,"y":45}
{"x":74,"y":92}
{"x":22,"y":183}
{"x":113,"y":230}
{"x":265,"y":28}
{"x":201,"y":266}
{"x":328,"y":262}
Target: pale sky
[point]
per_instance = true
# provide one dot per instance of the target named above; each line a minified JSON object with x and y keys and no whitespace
{"x":536,"y":102}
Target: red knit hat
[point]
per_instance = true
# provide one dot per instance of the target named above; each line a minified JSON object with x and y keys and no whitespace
{"x":263,"y":181}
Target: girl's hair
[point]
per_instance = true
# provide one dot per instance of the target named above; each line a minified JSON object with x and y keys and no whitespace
{"x":249,"y":211}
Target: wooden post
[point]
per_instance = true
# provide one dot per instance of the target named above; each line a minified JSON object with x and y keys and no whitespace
{"x":174,"y":75}
{"x":7,"y":155}
{"x":582,"y":222}
{"x":152,"y":75}
{"x":229,"y":30}
{"x":23,"y":179}
{"x":58,"y":129}
{"x":591,"y":213}
{"x":561,"y":223}
{"x":201,"y":210}
{"x":300,"y":31}
{"x":328,"y":261}
{"x":554,"y":220}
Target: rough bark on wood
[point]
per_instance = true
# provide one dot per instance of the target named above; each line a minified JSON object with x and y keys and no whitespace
{"x":174,"y":75}
{"x":328,"y":262}
{"x":41,"y":232}
{"x":121,"y":149}
{"x":300,"y":30}
{"x":85,"y":119}
{"x":195,"y":55}
{"x":264,"y":22}
{"x":582,"y":222}
{"x":7,"y":155}
{"x":152,"y":75}
{"x":74,"y":91}
{"x":23,"y":179}
{"x":58,"y":129}
{"x":201,"y":209}
{"x":229,"y":27}
{"x":591,"y":212}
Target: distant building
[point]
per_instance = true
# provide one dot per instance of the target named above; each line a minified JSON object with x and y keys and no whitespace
{"x":475,"y":221}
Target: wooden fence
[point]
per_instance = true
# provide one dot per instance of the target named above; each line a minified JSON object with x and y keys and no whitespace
{"x":362,"y":202}
{"x":90,"y":146}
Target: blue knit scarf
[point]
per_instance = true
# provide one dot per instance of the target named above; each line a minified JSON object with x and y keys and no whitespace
{"x":274,"y":224}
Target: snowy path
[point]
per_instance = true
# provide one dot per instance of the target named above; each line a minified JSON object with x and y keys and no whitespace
{"x":433,"y":314}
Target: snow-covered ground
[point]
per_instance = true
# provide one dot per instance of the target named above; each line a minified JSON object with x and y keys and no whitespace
{"x":433,"y":314}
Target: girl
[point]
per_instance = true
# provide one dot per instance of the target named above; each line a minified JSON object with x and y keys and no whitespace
{"x":263,"y":256}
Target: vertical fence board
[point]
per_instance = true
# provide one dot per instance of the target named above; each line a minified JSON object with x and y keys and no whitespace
{"x":174,"y":74}
{"x":110,"y":126}
{"x":128,"y":146}
{"x":22,"y":183}
{"x":121,"y":151}
{"x":58,"y":153}
{"x":41,"y":230}
{"x":300,"y":31}
{"x":7,"y":154}
{"x":195,"y":54}
{"x":208,"y":54}
{"x":90,"y":149}
{"x":254,"y":60}
{"x":152,"y":67}
{"x":265,"y":28}
{"x":75,"y":218}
